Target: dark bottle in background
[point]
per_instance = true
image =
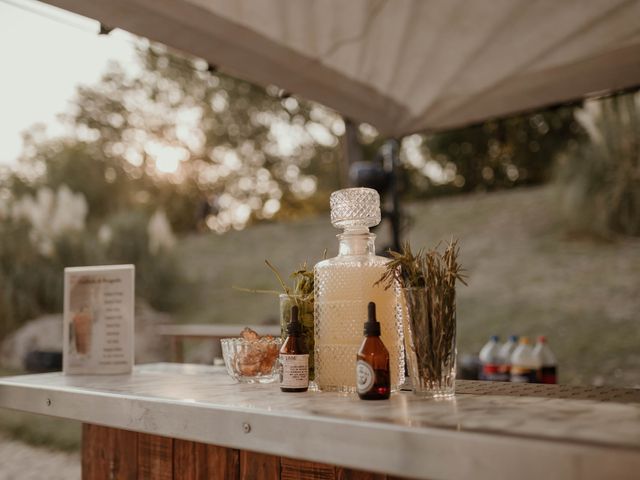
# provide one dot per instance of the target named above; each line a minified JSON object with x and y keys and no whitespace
{"x":294,"y":358}
{"x":548,"y":364}
{"x":373,"y":380}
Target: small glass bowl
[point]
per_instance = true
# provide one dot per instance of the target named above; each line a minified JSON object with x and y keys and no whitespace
{"x":252,"y":361}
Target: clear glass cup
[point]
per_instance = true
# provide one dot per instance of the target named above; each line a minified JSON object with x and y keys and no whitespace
{"x":430,"y":346}
{"x":252,"y":361}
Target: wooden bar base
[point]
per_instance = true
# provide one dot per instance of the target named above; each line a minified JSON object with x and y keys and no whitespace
{"x":110,"y":453}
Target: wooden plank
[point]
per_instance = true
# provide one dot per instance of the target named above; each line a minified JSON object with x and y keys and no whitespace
{"x":189,"y":460}
{"x":292,"y":469}
{"x":108,"y":453}
{"x":198,"y":461}
{"x":177,"y":349}
{"x":349,"y":474}
{"x":259,"y":466}
{"x":155,"y":457}
{"x":223,"y":463}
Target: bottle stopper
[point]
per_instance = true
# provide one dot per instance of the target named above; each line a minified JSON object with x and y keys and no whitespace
{"x":355,"y":208}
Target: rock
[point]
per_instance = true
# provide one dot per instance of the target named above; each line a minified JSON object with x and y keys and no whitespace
{"x":44,"y":333}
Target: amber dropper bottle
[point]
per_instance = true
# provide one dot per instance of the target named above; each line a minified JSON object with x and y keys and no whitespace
{"x":294,"y":358}
{"x":373,"y":380}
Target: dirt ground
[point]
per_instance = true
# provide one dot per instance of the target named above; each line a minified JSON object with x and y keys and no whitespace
{"x":19,"y":461}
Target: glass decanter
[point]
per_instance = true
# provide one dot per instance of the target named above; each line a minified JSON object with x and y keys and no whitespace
{"x":344,"y":285}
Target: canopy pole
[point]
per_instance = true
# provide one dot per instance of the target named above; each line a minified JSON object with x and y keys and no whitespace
{"x":391,"y":159}
{"x":352,"y":151}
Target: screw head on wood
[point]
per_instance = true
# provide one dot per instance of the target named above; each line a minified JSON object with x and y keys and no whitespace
{"x":246,"y":428}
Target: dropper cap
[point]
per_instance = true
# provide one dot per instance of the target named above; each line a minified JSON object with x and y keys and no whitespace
{"x":371,"y":326}
{"x":294,"y":328}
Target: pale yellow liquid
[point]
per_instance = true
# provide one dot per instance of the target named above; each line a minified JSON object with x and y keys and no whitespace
{"x":343,"y":290}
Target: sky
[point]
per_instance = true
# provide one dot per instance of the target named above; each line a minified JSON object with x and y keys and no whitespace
{"x":45,"y":53}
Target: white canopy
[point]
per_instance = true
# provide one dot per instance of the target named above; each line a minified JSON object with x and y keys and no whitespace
{"x":402,"y":65}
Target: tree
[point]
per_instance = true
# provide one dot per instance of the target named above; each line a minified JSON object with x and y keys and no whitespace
{"x":176,"y":134}
{"x":494,"y":155}
{"x":599,"y":185}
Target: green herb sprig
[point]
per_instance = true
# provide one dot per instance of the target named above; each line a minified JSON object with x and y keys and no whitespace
{"x":428,"y":278}
{"x":303,"y":282}
{"x":425,"y":268}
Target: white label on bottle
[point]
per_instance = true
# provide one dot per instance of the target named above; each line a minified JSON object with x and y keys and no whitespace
{"x":365,"y":376}
{"x":294,"y":371}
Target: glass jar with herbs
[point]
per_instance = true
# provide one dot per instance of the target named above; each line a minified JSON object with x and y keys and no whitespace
{"x":301,"y":295}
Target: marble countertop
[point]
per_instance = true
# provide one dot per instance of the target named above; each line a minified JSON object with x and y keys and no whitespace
{"x":479,"y":436}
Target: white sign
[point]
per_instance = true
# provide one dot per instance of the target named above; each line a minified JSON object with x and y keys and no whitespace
{"x":98,"y":319}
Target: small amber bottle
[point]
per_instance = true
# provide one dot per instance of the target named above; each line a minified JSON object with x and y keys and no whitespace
{"x":372,"y":367}
{"x":294,"y":358}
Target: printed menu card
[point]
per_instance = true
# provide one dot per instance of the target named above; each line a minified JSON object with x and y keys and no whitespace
{"x":98,"y":319}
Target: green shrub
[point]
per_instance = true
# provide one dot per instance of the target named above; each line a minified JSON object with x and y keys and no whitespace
{"x":31,"y":283}
{"x":599,"y":185}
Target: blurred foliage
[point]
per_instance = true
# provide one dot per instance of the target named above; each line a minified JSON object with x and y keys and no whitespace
{"x":243,"y":153}
{"x":218,"y":152}
{"x":159,"y":278}
{"x":32,"y":280}
{"x":495,"y":155}
{"x":197,"y":142}
{"x":599,"y":187}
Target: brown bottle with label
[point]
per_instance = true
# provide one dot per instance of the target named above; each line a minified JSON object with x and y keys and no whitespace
{"x":373,"y":380}
{"x":294,"y":358}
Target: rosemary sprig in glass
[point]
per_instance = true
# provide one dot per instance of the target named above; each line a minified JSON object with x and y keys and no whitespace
{"x":428,"y":279}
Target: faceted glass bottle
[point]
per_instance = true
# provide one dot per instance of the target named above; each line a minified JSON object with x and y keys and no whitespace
{"x":344,"y":286}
